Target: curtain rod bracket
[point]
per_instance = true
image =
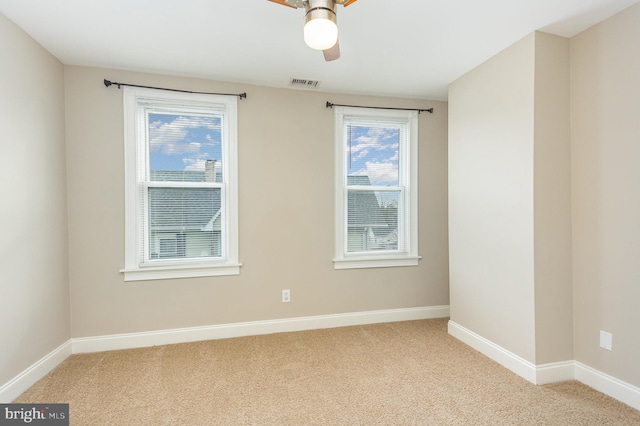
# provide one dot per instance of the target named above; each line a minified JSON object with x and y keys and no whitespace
{"x":108,"y":83}
{"x":430,"y":110}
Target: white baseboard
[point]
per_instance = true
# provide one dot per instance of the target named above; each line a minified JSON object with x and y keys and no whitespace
{"x":540,"y":374}
{"x":549,"y":373}
{"x":254,"y":328}
{"x":608,"y":385}
{"x":555,"y":372}
{"x":23,"y":381}
{"x":513,"y":362}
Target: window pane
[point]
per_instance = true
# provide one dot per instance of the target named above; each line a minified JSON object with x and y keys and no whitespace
{"x":372,"y":151}
{"x":372,"y":220}
{"x":185,"y":148}
{"x":184,"y":223}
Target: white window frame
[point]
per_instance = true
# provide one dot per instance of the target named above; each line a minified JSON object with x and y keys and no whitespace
{"x":408,"y":181}
{"x":135,"y":154}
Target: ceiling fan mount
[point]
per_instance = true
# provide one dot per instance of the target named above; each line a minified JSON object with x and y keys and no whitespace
{"x":296,"y":4}
{"x":320,"y":29}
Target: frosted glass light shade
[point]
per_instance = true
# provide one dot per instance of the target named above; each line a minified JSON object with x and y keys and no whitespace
{"x":320,"y":33}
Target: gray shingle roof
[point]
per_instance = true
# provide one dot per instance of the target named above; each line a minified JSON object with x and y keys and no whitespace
{"x":363,"y":208}
{"x":181,"y":176}
{"x":181,"y":209}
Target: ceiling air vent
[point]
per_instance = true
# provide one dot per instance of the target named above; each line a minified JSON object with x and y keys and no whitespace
{"x":303,"y":83}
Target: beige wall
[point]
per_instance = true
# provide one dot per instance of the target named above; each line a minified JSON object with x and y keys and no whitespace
{"x":286,"y":155}
{"x":584,"y":101}
{"x":510,"y":200}
{"x":34,"y":301}
{"x":605,"y":143}
{"x":491,"y":122}
{"x":552,"y":201}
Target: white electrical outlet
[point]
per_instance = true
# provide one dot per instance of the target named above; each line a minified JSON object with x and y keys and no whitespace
{"x":286,"y":296}
{"x":606,"y":340}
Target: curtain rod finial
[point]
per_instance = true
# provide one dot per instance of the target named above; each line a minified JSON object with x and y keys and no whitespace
{"x":107,"y":83}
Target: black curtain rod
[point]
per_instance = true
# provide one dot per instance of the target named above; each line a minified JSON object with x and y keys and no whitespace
{"x":109,"y":83}
{"x":430,"y":110}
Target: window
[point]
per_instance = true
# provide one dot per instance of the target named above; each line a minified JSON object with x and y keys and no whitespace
{"x":180,"y":185}
{"x":376,"y":188}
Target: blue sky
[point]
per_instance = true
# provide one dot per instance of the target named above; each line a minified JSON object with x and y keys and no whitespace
{"x":183,"y":142}
{"x":374,"y":153}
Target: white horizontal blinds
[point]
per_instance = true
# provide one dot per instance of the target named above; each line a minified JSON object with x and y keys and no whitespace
{"x":183,"y":188}
{"x":375,"y":196}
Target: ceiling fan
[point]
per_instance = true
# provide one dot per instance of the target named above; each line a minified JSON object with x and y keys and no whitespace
{"x":320,"y":28}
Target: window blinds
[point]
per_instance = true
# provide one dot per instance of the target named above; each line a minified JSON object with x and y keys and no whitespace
{"x":182,"y":185}
{"x":375,"y":195}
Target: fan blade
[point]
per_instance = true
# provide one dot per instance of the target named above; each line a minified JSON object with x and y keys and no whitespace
{"x":284,"y":3}
{"x":348,"y":2}
{"x":332,"y":53}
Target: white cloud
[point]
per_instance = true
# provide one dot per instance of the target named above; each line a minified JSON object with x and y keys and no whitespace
{"x":385,"y":173}
{"x":361,"y":154}
{"x":197,"y":161}
{"x":376,"y":138}
{"x":180,"y":148}
{"x":162,"y":134}
{"x":194,"y":164}
{"x":168,"y":137}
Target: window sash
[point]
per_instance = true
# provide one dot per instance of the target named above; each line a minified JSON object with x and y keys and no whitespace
{"x":145,"y":233}
{"x":139,"y":262}
{"x":145,"y":109}
{"x":406,"y":251}
{"x":370,"y":226}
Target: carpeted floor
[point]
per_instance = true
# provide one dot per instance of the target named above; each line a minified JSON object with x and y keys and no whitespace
{"x":405,"y":373}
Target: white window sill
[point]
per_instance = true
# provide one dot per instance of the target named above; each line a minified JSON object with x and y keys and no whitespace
{"x":186,"y":271}
{"x":361,"y":262}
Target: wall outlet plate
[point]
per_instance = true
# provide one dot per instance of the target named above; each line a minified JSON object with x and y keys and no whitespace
{"x":606,"y":340}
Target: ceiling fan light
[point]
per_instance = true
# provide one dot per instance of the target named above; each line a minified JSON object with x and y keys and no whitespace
{"x":320,"y":29}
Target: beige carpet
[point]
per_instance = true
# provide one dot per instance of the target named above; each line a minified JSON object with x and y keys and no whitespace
{"x":405,"y":373}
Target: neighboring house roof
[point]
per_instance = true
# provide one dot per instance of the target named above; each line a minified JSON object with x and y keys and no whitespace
{"x":364,"y":209}
{"x":181,"y":176}
{"x":378,"y":223}
{"x":358,"y":180}
{"x":182,"y":209}
{"x":214,"y":223}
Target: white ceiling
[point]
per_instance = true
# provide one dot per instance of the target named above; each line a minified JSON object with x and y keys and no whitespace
{"x":408,"y":48}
